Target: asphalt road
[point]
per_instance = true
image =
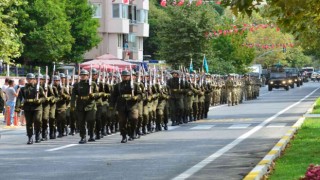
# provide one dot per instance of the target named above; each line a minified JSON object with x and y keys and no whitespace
{"x":225,"y":146}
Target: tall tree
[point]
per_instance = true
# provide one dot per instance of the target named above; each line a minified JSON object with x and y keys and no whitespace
{"x":10,"y":39}
{"x":183,"y":35}
{"x":47,"y":31}
{"x":83,"y":29}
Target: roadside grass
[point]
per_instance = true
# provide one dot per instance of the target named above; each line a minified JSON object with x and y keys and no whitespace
{"x":302,"y":151}
{"x":316,"y":109}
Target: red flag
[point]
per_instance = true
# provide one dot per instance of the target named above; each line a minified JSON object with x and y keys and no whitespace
{"x":125,"y":1}
{"x":218,"y":2}
{"x":163,"y":3}
{"x":181,"y":2}
{"x":199,"y":2}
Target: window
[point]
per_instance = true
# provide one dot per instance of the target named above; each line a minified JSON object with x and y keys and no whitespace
{"x":142,"y":16}
{"x":140,"y":43}
{"x":116,"y":10}
{"x":132,"y":14}
{"x":120,"y":41}
{"x":124,"y":11}
{"x":120,"y":11}
{"x":97,"y":11}
{"x":132,"y":40}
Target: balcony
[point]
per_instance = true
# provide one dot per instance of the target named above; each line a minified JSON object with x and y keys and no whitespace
{"x":142,"y":29}
{"x":141,"y":4}
{"x":118,"y":25}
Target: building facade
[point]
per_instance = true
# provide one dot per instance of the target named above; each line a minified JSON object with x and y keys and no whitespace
{"x":123,"y":25}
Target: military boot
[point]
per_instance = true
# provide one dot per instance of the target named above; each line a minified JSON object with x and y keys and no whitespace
{"x":124,"y":139}
{"x":30,"y":140}
{"x":44,"y":135}
{"x":103,"y":131}
{"x":91,"y":139}
{"x":165,"y":127}
{"x":144,"y":130}
{"x":108,"y":130}
{"x":60,"y":132}
{"x":38,"y":137}
{"x":83,"y":140}
{"x":158,"y":127}
{"x":97,"y":135}
{"x":65,"y":131}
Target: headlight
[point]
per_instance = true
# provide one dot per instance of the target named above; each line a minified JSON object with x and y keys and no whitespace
{"x":295,"y":80}
{"x":271,"y":82}
{"x":290,"y":81}
{"x":284,"y":82}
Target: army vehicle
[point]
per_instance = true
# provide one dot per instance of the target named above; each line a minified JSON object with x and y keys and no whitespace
{"x":278,"y":80}
{"x":294,"y":75}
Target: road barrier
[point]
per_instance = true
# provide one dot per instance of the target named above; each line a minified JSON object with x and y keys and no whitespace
{"x":7,"y":116}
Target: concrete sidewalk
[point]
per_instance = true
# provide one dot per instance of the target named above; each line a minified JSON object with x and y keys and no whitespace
{"x":3,"y":124}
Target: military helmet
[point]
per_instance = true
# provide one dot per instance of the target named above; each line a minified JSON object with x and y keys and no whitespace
{"x":39,"y":76}
{"x":94,"y":71}
{"x":56,"y":78}
{"x":45,"y":77}
{"x":62,"y":75}
{"x":84,"y":72}
{"x":110,"y":74}
{"x":125,"y":73}
{"x":30,"y":76}
{"x":174,"y":72}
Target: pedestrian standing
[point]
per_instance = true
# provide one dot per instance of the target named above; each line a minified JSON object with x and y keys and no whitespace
{"x":12,"y":95}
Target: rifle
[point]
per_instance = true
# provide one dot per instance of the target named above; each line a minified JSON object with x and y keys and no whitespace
{"x":139,"y":76}
{"x":46,"y":82}
{"x":98,"y":80}
{"x":73,"y":74}
{"x":38,"y":84}
{"x":111,"y":83}
{"x":90,"y":79}
{"x":53,"y":71}
{"x":119,"y":74}
{"x":67,"y":86}
{"x":104,"y":77}
{"x":131,"y":82}
{"x":162,"y":78}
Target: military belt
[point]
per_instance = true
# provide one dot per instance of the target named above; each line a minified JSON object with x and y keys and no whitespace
{"x":126,"y":95}
{"x":30,"y":100}
{"x":84,"y":97}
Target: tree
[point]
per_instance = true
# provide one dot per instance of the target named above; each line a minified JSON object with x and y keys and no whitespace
{"x":47,"y":31}
{"x":183,"y":35}
{"x":10,"y":38}
{"x":83,"y":29}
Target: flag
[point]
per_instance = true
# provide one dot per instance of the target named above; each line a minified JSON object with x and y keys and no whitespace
{"x":191,"y":66}
{"x":181,"y":3}
{"x":125,"y":1}
{"x":199,"y":2}
{"x":163,"y":3}
{"x":205,"y":64}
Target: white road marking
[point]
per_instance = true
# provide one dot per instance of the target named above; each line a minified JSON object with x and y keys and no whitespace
{"x":62,"y":147}
{"x":226,"y":148}
{"x":276,"y":125}
{"x":203,"y":127}
{"x":172,"y":127}
{"x":239,"y":126}
{"x":214,"y":107}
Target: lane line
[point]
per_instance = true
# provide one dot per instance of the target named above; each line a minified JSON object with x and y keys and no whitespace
{"x":62,"y":147}
{"x":214,"y":107}
{"x":191,"y":171}
{"x":239,"y":126}
{"x":203,"y":127}
{"x":276,"y":125}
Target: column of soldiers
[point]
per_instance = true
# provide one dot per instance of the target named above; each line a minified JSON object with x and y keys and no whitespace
{"x":132,"y":103}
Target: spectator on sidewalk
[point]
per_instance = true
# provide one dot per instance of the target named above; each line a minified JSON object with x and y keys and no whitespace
{"x":12,"y":95}
{"x":22,"y":82}
{"x":4,"y":88}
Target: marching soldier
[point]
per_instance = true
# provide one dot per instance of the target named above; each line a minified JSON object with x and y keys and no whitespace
{"x":176,"y":98}
{"x":126,"y":96}
{"x":208,"y":95}
{"x":33,"y":96}
{"x":61,"y":106}
{"x":83,"y":102}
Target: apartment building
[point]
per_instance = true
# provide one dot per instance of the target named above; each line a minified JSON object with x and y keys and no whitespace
{"x":123,"y":25}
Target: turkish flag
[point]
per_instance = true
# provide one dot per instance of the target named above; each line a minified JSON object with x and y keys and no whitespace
{"x":125,"y":1}
{"x":163,"y":3}
{"x":199,"y":2}
{"x":181,"y":2}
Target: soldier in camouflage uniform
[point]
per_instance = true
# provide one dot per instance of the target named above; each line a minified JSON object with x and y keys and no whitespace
{"x":208,"y":94}
{"x":176,"y":98}
{"x":32,"y":106}
{"x":61,"y":106}
{"x":125,"y":96}
{"x":83,"y":99}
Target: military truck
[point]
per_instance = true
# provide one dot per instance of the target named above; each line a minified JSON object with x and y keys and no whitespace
{"x":294,"y":75}
{"x":278,"y":80}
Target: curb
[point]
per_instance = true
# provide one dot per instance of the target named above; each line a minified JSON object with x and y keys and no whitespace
{"x":262,"y":168}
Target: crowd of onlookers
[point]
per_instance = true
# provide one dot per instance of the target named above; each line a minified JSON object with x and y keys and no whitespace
{"x":10,"y":92}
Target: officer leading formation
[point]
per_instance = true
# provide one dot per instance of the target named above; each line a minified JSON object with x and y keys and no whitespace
{"x":101,"y":103}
